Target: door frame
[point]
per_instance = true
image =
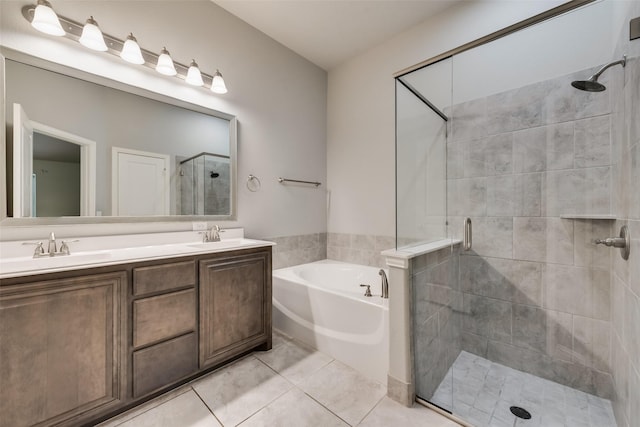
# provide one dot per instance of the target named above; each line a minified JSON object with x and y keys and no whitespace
{"x":114,"y":176}
{"x":87,"y":166}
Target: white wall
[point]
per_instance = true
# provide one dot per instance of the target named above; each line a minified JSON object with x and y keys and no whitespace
{"x":278,"y":97}
{"x":360,"y":129}
{"x":559,"y":46}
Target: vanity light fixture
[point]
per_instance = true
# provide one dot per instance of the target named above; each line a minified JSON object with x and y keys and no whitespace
{"x":165,"y":63}
{"x":217,"y":84}
{"x":194,"y":77}
{"x":46,"y":20}
{"x":92,"y":36}
{"x":131,"y":51}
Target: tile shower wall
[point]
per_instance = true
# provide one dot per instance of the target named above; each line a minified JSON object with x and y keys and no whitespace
{"x":437,"y":302}
{"x":535,"y":290}
{"x":202,"y":186}
{"x":359,"y":248}
{"x":625,"y":283}
{"x":295,"y":250}
{"x":352,"y":248}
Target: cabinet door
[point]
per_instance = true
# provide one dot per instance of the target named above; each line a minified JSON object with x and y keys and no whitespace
{"x":62,"y":349}
{"x":235,"y":305}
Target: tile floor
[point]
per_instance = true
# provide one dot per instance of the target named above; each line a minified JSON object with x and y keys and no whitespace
{"x":483,"y":391}
{"x":290,"y":385}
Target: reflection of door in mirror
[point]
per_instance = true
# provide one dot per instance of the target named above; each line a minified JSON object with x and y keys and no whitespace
{"x":140,"y":183}
{"x":22,"y":162}
{"x":60,"y":164}
{"x":56,"y":168}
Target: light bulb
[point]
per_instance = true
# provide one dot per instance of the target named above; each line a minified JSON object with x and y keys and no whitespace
{"x":217,"y":85}
{"x":131,"y":51}
{"x":165,"y":63}
{"x":46,"y":20}
{"x":194,"y":77}
{"x":92,"y":36}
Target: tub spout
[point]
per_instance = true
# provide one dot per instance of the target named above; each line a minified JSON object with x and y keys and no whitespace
{"x":385,"y":284}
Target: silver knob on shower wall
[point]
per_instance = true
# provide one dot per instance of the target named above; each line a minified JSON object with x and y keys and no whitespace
{"x":467,"y":234}
{"x":623,"y":242}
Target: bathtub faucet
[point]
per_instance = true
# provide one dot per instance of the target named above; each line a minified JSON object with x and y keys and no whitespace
{"x":385,"y":284}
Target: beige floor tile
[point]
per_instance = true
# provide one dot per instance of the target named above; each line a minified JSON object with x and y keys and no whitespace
{"x":186,"y":410}
{"x":344,"y":391}
{"x":293,"y":361}
{"x":390,"y":413}
{"x":279,"y":338}
{"x":238,"y":391}
{"x":140,"y":409}
{"x":294,"y":409}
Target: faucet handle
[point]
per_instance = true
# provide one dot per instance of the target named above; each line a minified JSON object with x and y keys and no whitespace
{"x":367,"y":293}
{"x":39,"y":250}
{"x":64,"y":247}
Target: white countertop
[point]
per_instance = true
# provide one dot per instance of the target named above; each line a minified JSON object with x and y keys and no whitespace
{"x":425,"y":248}
{"x":16,"y":259}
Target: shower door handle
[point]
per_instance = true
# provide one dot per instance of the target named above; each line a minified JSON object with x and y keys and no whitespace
{"x":467,"y":239}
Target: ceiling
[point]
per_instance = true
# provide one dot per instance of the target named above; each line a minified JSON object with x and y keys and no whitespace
{"x":328,"y":32}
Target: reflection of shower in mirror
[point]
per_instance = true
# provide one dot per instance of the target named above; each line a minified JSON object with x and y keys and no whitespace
{"x":204,"y":184}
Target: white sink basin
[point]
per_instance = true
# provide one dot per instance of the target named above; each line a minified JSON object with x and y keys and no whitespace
{"x":223,"y":244}
{"x":30,"y":263}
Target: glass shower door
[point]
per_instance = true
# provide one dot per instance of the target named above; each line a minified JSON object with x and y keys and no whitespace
{"x":422,"y":103}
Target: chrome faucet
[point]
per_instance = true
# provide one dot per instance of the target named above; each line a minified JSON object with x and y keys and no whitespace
{"x":53,"y":248}
{"x":212,"y":235}
{"x":385,"y":284}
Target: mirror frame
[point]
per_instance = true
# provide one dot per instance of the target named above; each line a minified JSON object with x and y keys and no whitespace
{"x":10,"y":54}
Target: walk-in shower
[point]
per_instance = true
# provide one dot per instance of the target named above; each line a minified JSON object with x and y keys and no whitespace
{"x":204,"y":184}
{"x":527,"y":322}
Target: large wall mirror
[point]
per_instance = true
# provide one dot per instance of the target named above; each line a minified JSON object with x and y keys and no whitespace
{"x":80,"y":147}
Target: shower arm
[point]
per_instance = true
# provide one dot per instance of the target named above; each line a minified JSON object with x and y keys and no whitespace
{"x":622,"y":62}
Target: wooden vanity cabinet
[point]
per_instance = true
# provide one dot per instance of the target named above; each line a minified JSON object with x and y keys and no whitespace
{"x":77,"y":347}
{"x":62,"y":349}
{"x":164,"y":336}
{"x":235,"y":305}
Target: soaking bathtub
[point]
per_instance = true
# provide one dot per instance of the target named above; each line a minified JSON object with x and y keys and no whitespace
{"x":323,"y":305}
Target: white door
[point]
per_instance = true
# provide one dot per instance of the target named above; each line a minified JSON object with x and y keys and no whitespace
{"x":22,"y":163}
{"x":141,"y":183}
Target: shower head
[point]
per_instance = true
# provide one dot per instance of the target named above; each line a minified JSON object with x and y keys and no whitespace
{"x":591,"y":84}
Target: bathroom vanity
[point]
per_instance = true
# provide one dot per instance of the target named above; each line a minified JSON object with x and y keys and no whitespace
{"x":80,"y":344}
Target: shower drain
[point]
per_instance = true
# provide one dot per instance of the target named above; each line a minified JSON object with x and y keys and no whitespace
{"x":520,"y":412}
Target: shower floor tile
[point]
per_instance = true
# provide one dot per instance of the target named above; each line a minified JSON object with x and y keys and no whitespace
{"x":482,"y":392}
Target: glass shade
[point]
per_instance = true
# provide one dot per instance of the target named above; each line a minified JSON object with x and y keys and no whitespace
{"x":46,"y":20}
{"x":217,"y":85}
{"x":131,"y":51}
{"x":165,"y":64}
{"x":194,"y":77}
{"x":92,"y":36}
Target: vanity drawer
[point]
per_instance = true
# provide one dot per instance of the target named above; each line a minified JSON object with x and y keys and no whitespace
{"x":162,"y":364}
{"x":158,"y":278}
{"x":163,"y":317}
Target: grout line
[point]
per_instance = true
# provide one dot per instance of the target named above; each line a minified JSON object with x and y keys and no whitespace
{"x":323,"y":406}
{"x":372,"y":408}
{"x":206,"y":406}
{"x":145,"y":407}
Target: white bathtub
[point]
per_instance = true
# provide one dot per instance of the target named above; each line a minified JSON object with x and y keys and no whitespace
{"x":323,"y":305}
